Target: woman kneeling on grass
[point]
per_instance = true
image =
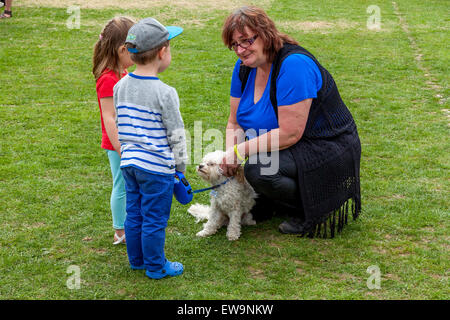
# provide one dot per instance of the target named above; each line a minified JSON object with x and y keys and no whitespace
{"x":285,"y":108}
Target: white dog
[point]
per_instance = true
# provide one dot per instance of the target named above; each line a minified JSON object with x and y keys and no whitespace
{"x":230,"y":202}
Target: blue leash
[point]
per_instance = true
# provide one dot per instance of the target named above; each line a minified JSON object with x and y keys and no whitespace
{"x":213,"y":187}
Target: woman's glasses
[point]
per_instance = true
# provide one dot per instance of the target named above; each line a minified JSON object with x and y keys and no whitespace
{"x":244,"y":44}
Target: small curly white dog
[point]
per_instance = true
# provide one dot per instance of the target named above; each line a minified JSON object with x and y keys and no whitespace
{"x":231,"y":201}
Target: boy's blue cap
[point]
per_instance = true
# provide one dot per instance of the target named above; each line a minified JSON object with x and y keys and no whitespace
{"x":149,"y":33}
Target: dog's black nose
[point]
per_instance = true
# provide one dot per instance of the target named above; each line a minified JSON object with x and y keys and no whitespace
{"x":200,"y":166}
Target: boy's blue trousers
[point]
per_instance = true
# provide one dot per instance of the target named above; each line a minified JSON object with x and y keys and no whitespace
{"x":149,"y":198}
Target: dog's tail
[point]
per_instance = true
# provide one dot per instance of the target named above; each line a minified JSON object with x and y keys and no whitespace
{"x":199,"y":211}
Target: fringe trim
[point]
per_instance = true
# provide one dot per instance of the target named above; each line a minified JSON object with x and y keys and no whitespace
{"x":328,"y":222}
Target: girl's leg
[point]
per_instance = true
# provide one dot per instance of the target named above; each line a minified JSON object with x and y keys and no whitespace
{"x":118,"y":194}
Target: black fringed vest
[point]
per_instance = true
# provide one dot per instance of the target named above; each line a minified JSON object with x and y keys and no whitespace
{"x":328,"y":154}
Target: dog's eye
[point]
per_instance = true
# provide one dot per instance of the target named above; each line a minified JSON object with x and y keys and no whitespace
{"x":210,"y":164}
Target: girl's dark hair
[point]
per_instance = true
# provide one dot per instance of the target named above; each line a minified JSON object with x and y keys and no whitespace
{"x":111,"y":38}
{"x":257,"y":20}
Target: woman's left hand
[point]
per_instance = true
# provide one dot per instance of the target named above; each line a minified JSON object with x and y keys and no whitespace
{"x":230,"y":163}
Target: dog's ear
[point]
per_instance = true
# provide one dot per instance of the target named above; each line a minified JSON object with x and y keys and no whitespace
{"x":240,"y":174}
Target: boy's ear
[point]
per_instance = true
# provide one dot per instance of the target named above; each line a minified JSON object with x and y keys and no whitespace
{"x":162,"y":52}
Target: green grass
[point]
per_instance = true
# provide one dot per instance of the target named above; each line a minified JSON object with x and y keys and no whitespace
{"x":55,"y":179}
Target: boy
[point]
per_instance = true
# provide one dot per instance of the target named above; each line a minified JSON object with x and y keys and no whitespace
{"x":153,"y":145}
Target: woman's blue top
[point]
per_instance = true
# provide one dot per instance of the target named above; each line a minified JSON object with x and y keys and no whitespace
{"x":299,"y":79}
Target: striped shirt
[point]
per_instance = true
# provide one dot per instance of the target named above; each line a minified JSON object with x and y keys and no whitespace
{"x":150,"y":127}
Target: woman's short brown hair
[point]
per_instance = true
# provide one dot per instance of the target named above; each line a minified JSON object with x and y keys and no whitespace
{"x":257,"y":20}
{"x":146,"y":56}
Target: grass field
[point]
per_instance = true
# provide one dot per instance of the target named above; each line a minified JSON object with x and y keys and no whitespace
{"x":55,"y":179}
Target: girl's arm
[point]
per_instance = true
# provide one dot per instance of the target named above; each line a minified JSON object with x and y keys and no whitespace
{"x":109,"y":120}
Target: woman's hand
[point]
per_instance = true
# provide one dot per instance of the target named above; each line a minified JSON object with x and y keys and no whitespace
{"x":230,"y":163}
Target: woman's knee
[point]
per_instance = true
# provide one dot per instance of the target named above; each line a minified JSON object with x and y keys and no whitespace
{"x":276,"y":186}
{"x":261,"y":183}
{"x":251,"y":173}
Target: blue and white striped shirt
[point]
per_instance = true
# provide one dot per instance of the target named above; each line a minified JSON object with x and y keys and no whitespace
{"x":150,"y":127}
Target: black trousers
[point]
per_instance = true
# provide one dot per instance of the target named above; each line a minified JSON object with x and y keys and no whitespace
{"x":274,"y":178}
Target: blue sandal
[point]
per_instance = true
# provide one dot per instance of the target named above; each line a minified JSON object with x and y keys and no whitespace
{"x":171,"y":269}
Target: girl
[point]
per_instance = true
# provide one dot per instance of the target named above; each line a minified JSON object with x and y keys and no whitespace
{"x":110,"y":61}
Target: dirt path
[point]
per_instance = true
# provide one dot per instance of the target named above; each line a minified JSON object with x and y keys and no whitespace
{"x":143,"y":4}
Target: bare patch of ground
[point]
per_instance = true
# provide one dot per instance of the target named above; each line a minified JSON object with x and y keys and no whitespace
{"x":321,"y":26}
{"x":143,"y":4}
{"x":256,"y":273}
{"x":431,"y":82}
{"x":178,"y":8}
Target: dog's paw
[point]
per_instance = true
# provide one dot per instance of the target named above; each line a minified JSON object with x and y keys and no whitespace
{"x":247,"y":220}
{"x":232,"y":236}
{"x":202,"y":234}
